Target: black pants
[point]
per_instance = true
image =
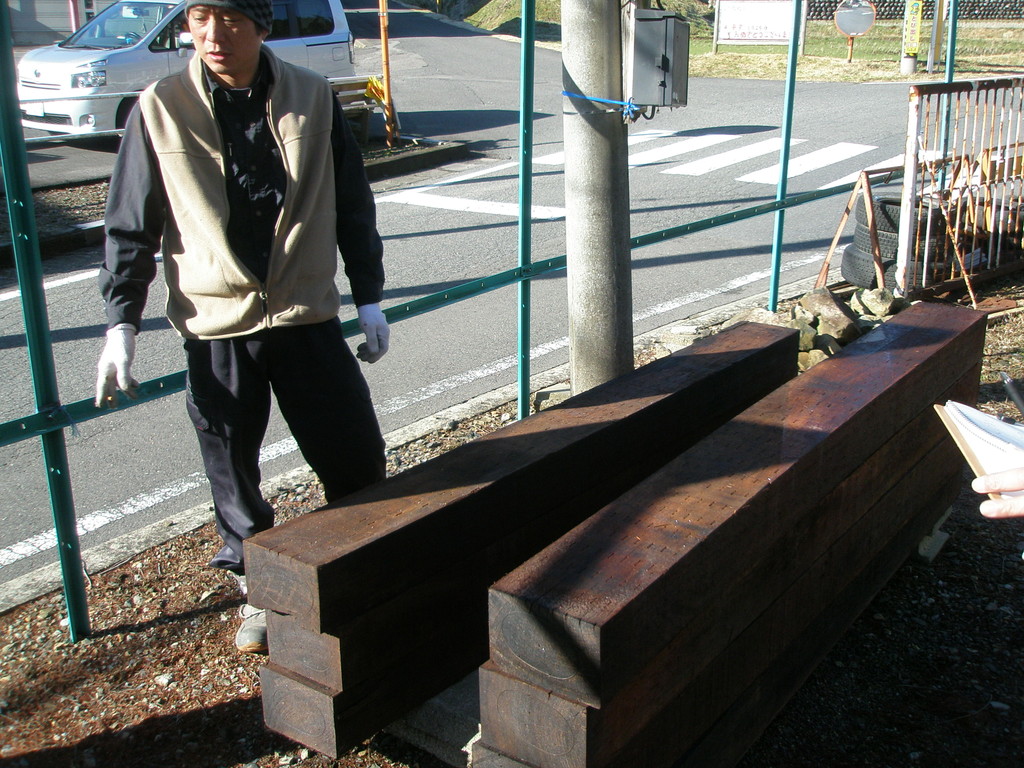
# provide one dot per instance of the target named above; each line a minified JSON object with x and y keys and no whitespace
{"x":323,"y":397}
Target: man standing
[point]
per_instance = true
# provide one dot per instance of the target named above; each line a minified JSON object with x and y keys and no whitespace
{"x":243,"y":172}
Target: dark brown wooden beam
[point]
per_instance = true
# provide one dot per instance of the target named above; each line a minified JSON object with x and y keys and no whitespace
{"x":329,"y":567}
{"x":332,"y":721}
{"x":586,"y":615}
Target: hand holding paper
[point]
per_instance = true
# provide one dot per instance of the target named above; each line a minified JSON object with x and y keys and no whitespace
{"x":994,"y":449}
{"x":1009,"y":505}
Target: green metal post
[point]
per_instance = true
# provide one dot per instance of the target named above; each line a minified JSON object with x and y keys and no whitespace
{"x":525,"y":198}
{"x":945,"y":102}
{"x":787,"y":133}
{"x":25,"y":241}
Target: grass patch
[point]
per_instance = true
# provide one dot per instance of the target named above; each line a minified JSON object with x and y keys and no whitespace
{"x":983,"y":49}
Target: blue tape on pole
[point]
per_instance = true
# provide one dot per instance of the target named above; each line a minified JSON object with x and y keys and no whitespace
{"x":627,"y":108}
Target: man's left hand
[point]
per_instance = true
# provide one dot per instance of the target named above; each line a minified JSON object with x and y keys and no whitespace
{"x":375,"y":326}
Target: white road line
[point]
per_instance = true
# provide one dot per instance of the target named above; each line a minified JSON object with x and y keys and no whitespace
{"x":466,"y":205}
{"x":47,"y":540}
{"x":691,"y":144}
{"x":892,"y":162}
{"x":395,"y":404}
{"x":76,"y":278}
{"x":731,"y":157}
{"x":809,"y":162}
{"x":690,"y":298}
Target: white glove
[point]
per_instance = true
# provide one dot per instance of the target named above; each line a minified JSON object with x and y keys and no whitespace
{"x":114,"y":369}
{"x":371,"y":320}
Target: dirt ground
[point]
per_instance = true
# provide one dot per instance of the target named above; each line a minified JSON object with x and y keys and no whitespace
{"x":930,"y":675}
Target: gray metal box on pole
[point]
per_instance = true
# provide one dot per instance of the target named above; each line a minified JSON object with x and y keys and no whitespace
{"x":661,"y":59}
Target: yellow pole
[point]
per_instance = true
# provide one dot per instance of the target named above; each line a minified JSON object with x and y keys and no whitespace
{"x":936,"y":45}
{"x":389,"y":106}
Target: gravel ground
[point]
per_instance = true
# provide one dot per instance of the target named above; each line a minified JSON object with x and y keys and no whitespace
{"x":58,"y":210}
{"x":929,"y":675}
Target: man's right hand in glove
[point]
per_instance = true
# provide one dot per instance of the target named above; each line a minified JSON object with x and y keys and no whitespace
{"x":114,"y":369}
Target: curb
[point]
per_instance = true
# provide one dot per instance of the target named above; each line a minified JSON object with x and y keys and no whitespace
{"x":428,"y":154}
{"x":80,"y":236}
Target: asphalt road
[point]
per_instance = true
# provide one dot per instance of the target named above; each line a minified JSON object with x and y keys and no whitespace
{"x":442,"y":228}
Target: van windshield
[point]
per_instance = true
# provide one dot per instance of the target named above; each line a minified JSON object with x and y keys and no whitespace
{"x":120,"y":25}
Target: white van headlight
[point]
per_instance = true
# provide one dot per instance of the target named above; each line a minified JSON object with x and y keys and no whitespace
{"x":92,"y":79}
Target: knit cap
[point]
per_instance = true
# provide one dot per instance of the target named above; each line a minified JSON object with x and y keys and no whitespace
{"x":259,"y":11}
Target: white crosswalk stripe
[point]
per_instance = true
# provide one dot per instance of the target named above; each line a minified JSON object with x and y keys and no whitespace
{"x":731,"y":157}
{"x":812,"y":161}
{"x":690,"y":144}
{"x":892,"y":162}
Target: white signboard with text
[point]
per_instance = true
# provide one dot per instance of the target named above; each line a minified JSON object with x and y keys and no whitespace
{"x":754,"y":22}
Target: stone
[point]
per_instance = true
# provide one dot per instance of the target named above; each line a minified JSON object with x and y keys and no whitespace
{"x":807,"y":334}
{"x":755,"y":315}
{"x":879,"y":302}
{"x":930,"y":546}
{"x":828,"y":344}
{"x":868,"y":323}
{"x":844,"y":330}
{"x":801,"y":313}
{"x":857,"y":305}
{"x":834,"y":315}
{"x":806,"y":360}
{"x":549,"y":396}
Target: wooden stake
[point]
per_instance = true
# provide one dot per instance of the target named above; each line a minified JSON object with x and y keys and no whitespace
{"x":876,"y":251}
{"x":389,"y":105}
{"x":823,"y":273}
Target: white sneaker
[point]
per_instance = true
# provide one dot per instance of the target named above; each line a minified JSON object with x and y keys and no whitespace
{"x":251,"y":637}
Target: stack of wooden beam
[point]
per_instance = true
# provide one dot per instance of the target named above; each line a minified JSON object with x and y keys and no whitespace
{"x":379,"y":601}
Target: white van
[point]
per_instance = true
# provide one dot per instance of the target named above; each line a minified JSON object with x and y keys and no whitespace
{"x":83,"y":85}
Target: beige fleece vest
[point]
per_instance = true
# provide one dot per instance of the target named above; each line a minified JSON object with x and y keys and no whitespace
{"x":210,"y":293}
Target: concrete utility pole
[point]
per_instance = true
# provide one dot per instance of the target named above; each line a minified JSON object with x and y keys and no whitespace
{"x":596,"y":195}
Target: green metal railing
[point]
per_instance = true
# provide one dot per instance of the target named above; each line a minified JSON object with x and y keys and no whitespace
{"x":58,"y":417}
{"x":52,"y":417}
